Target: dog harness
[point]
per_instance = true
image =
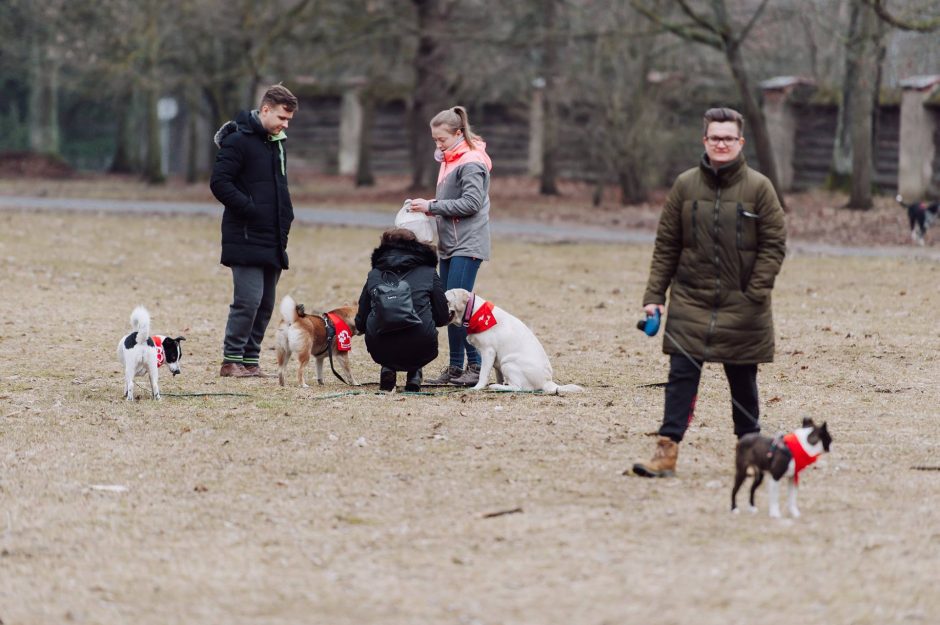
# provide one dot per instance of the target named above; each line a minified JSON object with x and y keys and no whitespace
{"x":801,"y":451}
{"x":343,"y":335}
{"x":336,"y":329}
{"x":480,"y":321}
{"x":161,"y":355}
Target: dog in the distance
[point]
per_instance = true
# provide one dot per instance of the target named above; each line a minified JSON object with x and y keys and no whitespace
{"x":305,"y":334}
{"x":920,"y":215}
{"x":782,"y":457}
{"x":140,"y":353}
{"x":506,"y":345}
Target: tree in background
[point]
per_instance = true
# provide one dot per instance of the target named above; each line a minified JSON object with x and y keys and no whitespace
{"x":717,"y":30}
{"x":431,"y":85}
{"x":550,"y":69}
{"x":65,"y":63}
{"x":918,"y":15}
{"x":853,"y":152}
{"x":32,"y":50}
{"x":868,"y":25}
{"x":628,"y":122}
{"x":224,"y":51}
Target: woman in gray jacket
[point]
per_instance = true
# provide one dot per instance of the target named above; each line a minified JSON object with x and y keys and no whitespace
{"x":462,"y":209}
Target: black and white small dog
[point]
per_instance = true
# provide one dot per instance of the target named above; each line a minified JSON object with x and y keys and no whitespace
{"x":783,"y":456}
{"x":920,"y":215}
{"x":141,"y":353}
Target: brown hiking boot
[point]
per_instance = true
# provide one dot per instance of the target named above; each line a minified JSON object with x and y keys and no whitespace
{"x":254,"y":371}
{"x":233,"y":370}
{"x":470,"y":377}
{"x":448,"y":373}
{"x":663,"y":463}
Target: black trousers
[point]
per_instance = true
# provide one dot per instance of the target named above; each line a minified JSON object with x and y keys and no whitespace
{"x":682,"y":391}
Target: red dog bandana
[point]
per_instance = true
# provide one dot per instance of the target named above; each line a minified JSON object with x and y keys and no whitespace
{"x":801,"y":457}
{"x":158,"y":343}
{"x":482,"y":320}
{"x":343,"y":335}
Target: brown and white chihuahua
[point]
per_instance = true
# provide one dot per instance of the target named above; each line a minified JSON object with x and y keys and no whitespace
{"x":783,"y":456}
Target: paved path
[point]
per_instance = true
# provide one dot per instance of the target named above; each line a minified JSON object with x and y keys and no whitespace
{"x":529,"y":230}
{"x":324,"y":217}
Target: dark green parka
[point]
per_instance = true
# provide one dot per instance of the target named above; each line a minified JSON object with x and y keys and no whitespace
{"x":719,"y":246}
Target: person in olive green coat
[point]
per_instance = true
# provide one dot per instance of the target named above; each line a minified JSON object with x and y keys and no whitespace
{"x":719,"y":246}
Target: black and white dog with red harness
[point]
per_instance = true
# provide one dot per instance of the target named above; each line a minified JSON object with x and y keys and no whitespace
{"x":920,"y":215}
{"x":784,"y":456}
{"x":141,"y":353}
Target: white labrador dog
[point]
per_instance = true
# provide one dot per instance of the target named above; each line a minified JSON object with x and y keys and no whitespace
{"x":506,"y":345}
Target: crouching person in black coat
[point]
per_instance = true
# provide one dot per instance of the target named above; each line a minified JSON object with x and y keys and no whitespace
{"x":411,"y":348}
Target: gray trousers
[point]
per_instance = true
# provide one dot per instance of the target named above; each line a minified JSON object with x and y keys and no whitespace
{"x":249,"y":313}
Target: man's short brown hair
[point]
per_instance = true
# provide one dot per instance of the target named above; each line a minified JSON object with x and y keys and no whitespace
{"x":723,"y":115}
{"x":280,"y":95}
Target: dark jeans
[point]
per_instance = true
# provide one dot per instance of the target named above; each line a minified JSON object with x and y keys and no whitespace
{"x":460,"y":272}
{"x":682,"y":391}
{"x":249,"y":313}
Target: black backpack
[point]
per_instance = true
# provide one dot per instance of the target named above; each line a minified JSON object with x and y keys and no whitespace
{"x":392,"y":304}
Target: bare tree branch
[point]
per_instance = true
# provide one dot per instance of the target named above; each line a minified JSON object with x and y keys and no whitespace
{"x":747,"y":28}
{"x":921,"y":26}
{"x":687,"y":32}
{"x":695,"y":17}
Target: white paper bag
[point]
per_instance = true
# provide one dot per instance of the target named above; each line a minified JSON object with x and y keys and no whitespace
{"x":424,"y":226}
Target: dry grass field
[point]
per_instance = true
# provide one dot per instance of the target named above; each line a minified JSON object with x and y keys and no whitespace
{"x":236,"y":501}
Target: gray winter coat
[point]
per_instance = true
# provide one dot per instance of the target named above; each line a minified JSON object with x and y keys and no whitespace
{"x":462,"y":204}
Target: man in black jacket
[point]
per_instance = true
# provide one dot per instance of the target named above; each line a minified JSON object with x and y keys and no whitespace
{"x":250,"y":180}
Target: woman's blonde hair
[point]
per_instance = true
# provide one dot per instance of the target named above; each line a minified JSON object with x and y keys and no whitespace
{"x":455,"y":119}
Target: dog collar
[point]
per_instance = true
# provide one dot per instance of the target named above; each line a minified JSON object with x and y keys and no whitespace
{"x":468,"y":311}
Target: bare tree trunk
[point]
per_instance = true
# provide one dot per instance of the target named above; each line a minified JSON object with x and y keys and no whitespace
{"x":153,"y":157}
{"x":43,"y":112}
{"x":863,"y":107}
{"x":422,"y":96}
{"x":632,"y":189}
{"x":122,"y":163}
{"x":548,"y":184}
{"x":812,"y":47}
{"x":192,"y":153}
{"x":840,"y":171}
{"x":153,"y":170}
{"x":364,"y":176}
{"x":755,"y":117}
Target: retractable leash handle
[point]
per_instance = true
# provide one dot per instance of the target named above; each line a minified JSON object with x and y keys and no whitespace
{"x":650,"y":325}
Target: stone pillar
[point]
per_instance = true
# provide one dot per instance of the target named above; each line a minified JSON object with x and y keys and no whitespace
{"x":781,"y":122}
{"x":918,"y":127}
{"x":350,"y":129}
{"x":536,"y":127}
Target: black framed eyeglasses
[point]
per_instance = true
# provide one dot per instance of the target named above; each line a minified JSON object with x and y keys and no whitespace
{"x":715,"y":140}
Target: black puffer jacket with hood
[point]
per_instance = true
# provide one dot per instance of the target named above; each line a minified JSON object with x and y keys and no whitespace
{"x":250,"y":179}
{"x":414,"y":347}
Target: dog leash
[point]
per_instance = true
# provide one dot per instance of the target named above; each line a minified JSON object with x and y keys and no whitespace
{"x":144,"y":388}
{"x":468,"y":311}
